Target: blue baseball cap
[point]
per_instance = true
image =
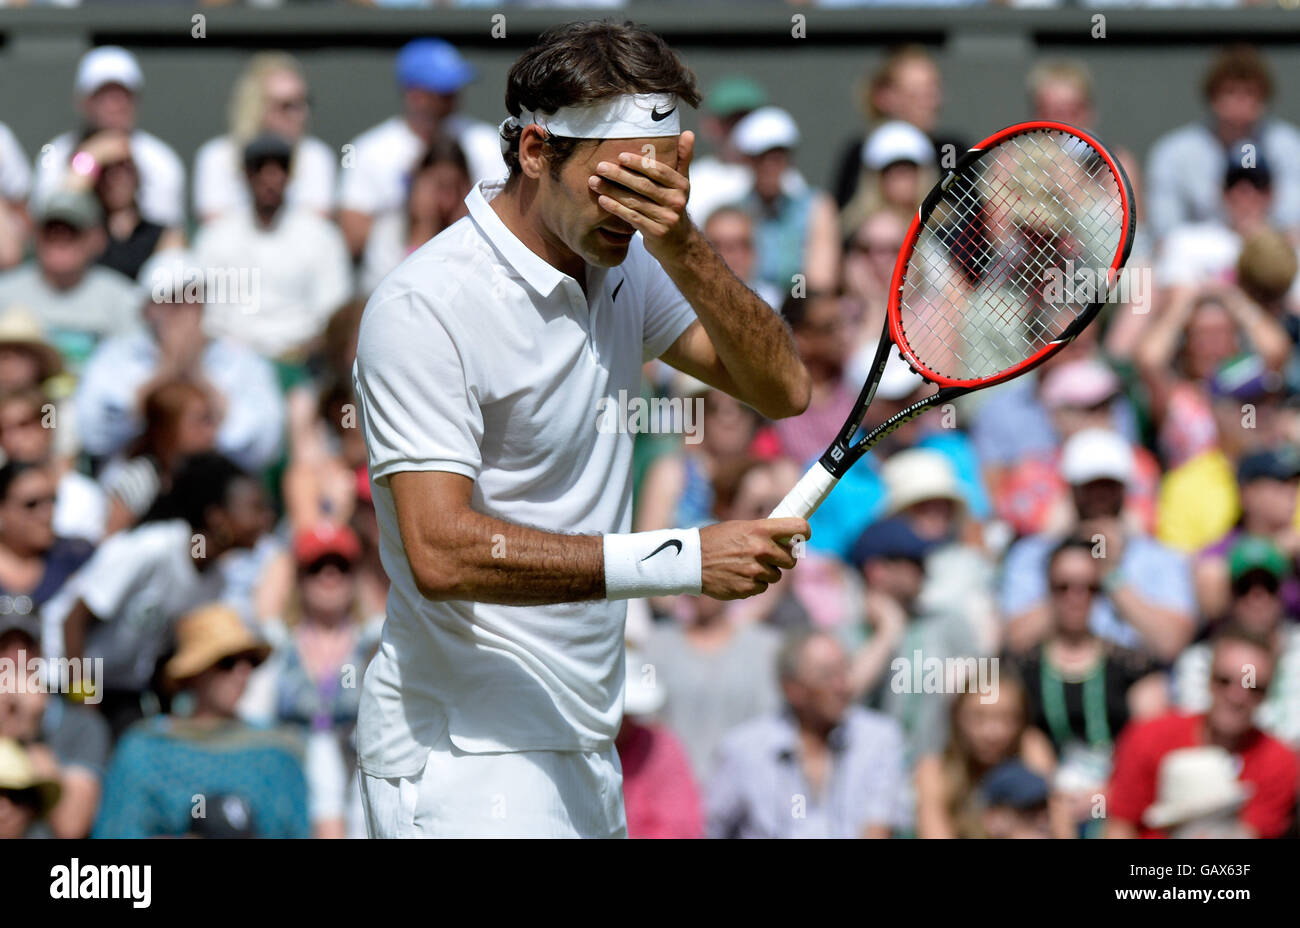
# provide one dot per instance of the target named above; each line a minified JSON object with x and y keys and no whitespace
{"x":1013,"y":784}
{"x":434,"y":65}
{"x":890,"y":539}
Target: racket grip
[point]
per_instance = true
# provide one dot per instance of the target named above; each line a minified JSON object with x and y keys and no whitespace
{"x":807,"y":495}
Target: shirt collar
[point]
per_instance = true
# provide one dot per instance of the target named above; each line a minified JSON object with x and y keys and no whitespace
{"x":535,"y":271}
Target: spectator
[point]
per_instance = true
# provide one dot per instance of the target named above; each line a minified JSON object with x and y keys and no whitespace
{"x":678,"y":488}
{"x":1199,"y":796}
{"x":722,"y":176}
{"x":1185,"y":165}
{"x":1010,"y":422}
{"x":27,"y":795}
{"x":659,"y":790}
{"x":1242,"y":668}
{"x":108,"y":85}
{"x":179,"y":421}
{"x":1268,"y":483}
{"x":270,"y":95}
{"x":1266,"y":274}
{"x":985,"y":734}
{"x":1081,"y":690}
{"x":76,"y":301}
{"x":243,"y":394}
{"x":822,"y":768}
{"x":35,"y":562}
{"x":129,"y":239}
{"x":28,"y":433}
{"x":1207,"y":251}
{"x":818,"y":323}
{"x":868,"y":264}
{"x":298,"y":259}
{"x":1148,"y":601}
{"x":439,"y":184}
{"x":796,"y":232}
{"x":322,"y":643}
{"x":892,"y":559}
{"x":897,"y":172}
{"x":431,"y":74}
{"x":163,"y":763}
{"x":1199,"y":500}
{"x":1031,"y":496}
{"x":907,"y":87}
{"x":26,"y":358}
{"x":922,"y":489}
{"x":730,"y":230}
{"x":67,"y":741}
{"x":15,"y":183}
{"x":1258,"y":569}
{"x":716,"y":675}
{"x":123,"y":603}
{"x":1015,"y":801}
{"x":1199,"y":332}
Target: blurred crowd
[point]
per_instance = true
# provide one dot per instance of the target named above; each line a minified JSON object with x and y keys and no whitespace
{"x":1063,"y":607}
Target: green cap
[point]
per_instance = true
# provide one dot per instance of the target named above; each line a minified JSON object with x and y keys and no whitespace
{"x":1251,"y":552}
{"x":733,"y":95}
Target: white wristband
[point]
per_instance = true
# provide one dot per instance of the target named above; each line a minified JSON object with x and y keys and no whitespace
{"x":661,"y":563}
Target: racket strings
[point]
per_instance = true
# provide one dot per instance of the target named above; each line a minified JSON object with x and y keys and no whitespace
{"x":995,"y":273}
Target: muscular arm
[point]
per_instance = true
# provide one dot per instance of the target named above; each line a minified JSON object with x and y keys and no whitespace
{"x":457,"y":553}
{"x":739,"y":345}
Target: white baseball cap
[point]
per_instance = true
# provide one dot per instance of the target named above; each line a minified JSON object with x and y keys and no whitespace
{"x":108,"y":64}
{"x":1096,"y":454}
{"x":896,"y":141}
{"x":917,"y":475}
{"x":766,"y":128}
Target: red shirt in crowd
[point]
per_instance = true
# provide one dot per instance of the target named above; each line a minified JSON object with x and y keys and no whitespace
{"x":1266,"y":763}
{"x":658,"y":787}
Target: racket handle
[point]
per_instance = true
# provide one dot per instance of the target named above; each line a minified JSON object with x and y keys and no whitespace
{"x":807,"y":495}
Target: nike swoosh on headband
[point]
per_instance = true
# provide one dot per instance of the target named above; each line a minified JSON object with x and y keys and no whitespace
{"x":660,"y":117}
{"x":671,"y":542}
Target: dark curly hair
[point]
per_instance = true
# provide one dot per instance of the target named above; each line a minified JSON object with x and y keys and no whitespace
{"x":580,"y":63}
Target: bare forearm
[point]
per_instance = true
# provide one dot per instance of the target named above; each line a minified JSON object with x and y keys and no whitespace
{"x":751,"y":341}
{"x":484,"y":559}
{"x":1165,"y":631}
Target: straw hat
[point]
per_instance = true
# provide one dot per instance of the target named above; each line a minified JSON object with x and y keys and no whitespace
{"x":207,"y":635}
{"x":19,"y":329}
{"x":1194,"y":783}
{"x":18,"y":773}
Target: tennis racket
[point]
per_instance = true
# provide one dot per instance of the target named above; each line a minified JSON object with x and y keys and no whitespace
{"x":1008,"y":259}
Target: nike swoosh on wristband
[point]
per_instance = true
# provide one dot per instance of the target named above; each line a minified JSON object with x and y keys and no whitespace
{"x":660,"y":117}
{"x":670,"y":542}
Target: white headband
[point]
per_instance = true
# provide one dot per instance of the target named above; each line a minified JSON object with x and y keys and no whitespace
{"x":630,"y":116}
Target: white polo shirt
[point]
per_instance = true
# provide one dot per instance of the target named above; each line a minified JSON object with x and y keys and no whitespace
{"x":476,"y":357}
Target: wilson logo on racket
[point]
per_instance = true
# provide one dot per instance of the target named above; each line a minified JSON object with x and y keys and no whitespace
{"x":968,"y":306}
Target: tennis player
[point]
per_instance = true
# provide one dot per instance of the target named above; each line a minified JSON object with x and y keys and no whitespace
{"x":492,"y":704}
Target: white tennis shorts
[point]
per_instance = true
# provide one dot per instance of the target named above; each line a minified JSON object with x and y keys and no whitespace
{"x":529,"y":794}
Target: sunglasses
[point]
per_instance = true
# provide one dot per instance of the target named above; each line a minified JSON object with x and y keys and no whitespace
{"x":289,"y":104}
{"x":227,"y":664}
{"x":1063,"y":586}
{"x":1225,"y":680}
{"x":343,"y":565}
